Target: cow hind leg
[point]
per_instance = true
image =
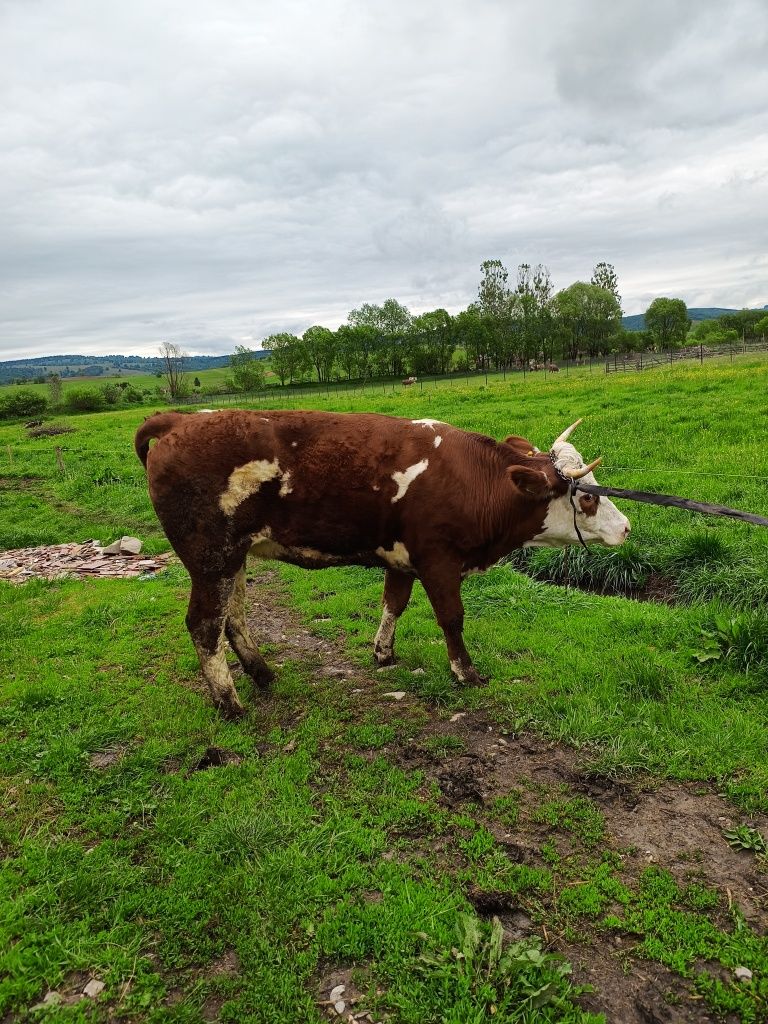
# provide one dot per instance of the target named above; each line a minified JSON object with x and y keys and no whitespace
{"x":240,"y":639}
{"x":206,"y":621}
{"x":397,"y":592}
{"x":443,"y":587}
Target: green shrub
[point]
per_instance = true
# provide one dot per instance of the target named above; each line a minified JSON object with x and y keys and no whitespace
{"x":85,"y":400}
{"x":21,"y":404}
{"x":738,"y":638}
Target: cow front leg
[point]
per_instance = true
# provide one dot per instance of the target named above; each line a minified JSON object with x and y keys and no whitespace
{"x":443,"y":587}
{"x":397,"y":592}
{"x":240,"y":639}
{"x":206,"y":620}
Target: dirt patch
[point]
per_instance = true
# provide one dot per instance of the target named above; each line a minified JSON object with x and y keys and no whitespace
{"x":677,"y":826}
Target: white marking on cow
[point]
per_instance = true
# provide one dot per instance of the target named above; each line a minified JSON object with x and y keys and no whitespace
{"x":429,"y":423}
{"x":294,"y":444}
{"x":406,"y":478}
{"x":383,"y":643}
{"x":458,"y":671}
{"x":376,"y":487}
{"x":247,"y":480}
{"x":206,"y":410}
{"x":264,"y":419}
{"x":607,"y":526}
{"x":397,"y":558}
{"x":438,"y":441}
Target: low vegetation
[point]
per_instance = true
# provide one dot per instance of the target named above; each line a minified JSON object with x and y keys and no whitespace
{"x":331,"y":844}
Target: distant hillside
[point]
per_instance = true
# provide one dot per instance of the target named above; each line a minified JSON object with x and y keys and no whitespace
{"x":636,"y":322}
{"x":97,"y":366}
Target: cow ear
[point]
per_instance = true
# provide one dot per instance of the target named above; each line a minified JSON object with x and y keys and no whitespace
{"x":531,"y":481}
{"x":520,"y":444}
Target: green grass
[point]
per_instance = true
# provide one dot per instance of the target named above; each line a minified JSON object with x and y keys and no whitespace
{"x":319,"y":849}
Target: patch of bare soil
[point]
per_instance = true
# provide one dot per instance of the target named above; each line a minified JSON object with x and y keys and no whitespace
{"x":677,"y":826}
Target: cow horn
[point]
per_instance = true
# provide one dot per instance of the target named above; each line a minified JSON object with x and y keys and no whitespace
{"x":566,"y":434}
{"x":577,"y":474}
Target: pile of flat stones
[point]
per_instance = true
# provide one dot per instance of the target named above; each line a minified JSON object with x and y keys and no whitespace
{"x":89,"y":559}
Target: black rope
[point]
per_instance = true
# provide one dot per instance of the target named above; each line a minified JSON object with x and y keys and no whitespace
{"x":668,"y":500}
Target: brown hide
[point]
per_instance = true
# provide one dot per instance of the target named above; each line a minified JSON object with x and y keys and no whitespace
{"x":327,"y":488}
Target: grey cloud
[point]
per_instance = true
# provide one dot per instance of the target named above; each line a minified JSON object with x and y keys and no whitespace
{"x":211,"y":173}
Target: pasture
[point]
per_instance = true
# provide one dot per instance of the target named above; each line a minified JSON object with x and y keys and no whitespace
{"x":352,"y":838}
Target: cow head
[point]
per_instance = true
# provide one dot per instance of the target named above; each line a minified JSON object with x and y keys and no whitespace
{"x":544,"y":479}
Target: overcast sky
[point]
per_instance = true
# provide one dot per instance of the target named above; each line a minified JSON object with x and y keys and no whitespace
{"x":211,"y":171}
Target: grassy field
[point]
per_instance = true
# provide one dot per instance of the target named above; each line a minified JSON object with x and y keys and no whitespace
{"x":326,"y":845}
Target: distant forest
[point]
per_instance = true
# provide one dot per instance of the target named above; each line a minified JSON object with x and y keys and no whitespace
{"x":511,"y":324}
{"x":96,"y":366}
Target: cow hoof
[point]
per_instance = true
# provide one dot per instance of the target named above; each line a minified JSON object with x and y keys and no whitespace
{"x":385,"y":660}
{"x":263,"y":678}
{"x":473,"y":678}
{"x":230,"y":711}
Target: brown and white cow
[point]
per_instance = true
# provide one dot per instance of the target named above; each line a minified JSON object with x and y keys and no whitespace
{"x":419,"y":498}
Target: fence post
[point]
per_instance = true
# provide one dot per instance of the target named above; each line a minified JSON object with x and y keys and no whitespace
{"x":60,"y":460}
{"x":10,"y":453}
{"x":701,"y":354}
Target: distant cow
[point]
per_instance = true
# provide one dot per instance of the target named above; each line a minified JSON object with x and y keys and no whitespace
{"x":409,"y":380}
{"x":33,"y":423}
{"x":419,"y":498}
{"x":553,"y":368}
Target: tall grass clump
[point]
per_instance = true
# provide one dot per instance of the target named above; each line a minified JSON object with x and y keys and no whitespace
{"x":738,"y":639}
{"x":622,"y":571}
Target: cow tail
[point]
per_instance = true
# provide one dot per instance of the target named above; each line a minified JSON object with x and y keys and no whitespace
{"x":154,"y":427}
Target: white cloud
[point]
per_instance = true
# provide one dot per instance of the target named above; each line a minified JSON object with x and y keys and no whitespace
{"x":208,"y":173}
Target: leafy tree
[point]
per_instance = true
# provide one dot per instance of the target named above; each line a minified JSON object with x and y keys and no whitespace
{"x":472,"y":332}
{"x":668,"y":322}
{"x":761,"y":327}
{"x":173,"y":359}
{"x":589,"y":319}
{"x":432,"y":342}
{"x":744,"y":321}
{"x":495,"y":304}
{"x":321,"y":346}
{"x":247,"y":369}
{"x":712,"y":332}
{"x":289,"y":357}
{"x":604,"y":276}
{"x":392,"y":323}
{"x":355,"y":348}
{"x":532,"y":312}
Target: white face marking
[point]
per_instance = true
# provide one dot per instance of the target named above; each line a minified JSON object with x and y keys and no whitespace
{"x":608,"y":526}
{"x":428,"y":423}
{"x":246,"y":480}
{"x":398,"y":557}
{"x":406,"y":478}
{"x":438,"y":441}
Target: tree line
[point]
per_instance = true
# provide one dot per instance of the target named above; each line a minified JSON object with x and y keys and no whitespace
{"x":512,"y":324}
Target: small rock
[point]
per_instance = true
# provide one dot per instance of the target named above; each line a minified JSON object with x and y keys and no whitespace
{"x":130,"y":546}
{"x":289,"y":747}
{"x":418,"y":672}
{"x":385,"y":668}
{"x":335,"y":672}
{"x":337,"y":992}
{"x":49,"y":999}
{"x":458,"y":716}
{"x":340,"y":1006}
{"x":93,"y":988}
{"x":112,"y":549}
{"x":742,"y":974}
{"x":396,"y":694}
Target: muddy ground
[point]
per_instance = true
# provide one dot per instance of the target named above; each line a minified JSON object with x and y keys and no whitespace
{"x":677,"y":826}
